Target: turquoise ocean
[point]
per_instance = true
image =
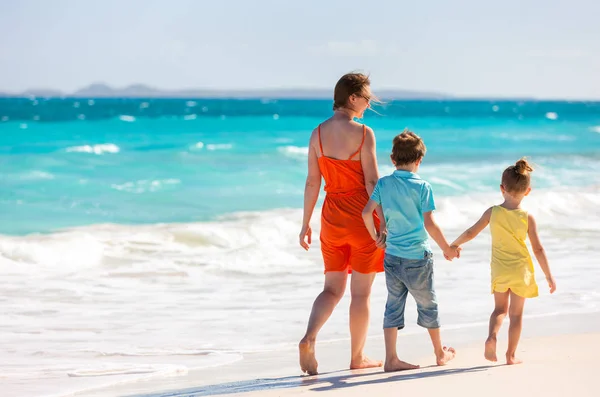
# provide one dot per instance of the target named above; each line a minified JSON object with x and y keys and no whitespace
{"x":148,"y":237}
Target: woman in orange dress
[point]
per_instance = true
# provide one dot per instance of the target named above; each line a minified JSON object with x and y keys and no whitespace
{"x":342,"y":152}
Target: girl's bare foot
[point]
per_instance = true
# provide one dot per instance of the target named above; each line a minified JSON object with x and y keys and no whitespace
{"x":398,"y":365}
{"x":447,"y":354}
{"x":308,"y":362}
{"x":512,"y":360}
{"x":490,"y":349}
{"x":365,"y":362}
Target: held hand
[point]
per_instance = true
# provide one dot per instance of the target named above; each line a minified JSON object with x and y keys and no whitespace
{"x":452,"y":252}
{"x":305,"y":237}
{"x":381,"y":238}
{"x":551,"y":284}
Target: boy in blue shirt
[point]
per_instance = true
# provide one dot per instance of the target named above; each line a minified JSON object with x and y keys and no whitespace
{"x":408,"y":205}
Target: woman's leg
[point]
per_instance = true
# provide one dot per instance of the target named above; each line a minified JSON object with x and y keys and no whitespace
{"x":333,"y":291}
{"x":360,"y":288}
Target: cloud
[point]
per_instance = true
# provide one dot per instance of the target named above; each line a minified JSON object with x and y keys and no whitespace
{"x":558,"y":53}
{"x":351,"y":48}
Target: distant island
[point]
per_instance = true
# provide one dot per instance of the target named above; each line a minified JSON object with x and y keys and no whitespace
{"x":143,"y":91}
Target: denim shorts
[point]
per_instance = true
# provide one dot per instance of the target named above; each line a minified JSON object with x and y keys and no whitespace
{"x":415,"y":276}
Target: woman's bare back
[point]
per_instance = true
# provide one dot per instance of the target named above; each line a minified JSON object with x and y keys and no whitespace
{"x":340,"y":139}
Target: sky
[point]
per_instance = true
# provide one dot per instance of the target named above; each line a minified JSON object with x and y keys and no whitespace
{"x":474,"y":48}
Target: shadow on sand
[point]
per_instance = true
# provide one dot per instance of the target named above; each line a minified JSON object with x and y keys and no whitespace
{"x":324,"y":382}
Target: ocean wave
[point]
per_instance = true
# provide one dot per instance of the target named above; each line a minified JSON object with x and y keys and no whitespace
{"x":127,"y":118}
{"x":596,"y":129}
{"x":219,"y":146}
{"x":95,"y":149}
{"x":145,"y":185}
{"x":294,"y":151}
{"x":39,"y":175}
{"x":126,"y":370}
{"x":534,"y":137}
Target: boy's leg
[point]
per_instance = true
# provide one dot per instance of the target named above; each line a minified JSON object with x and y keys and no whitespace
{"x":360,"y":288}
{"x":419,"y":278}
{"x":392,"y":362}
{"x":515,"y":312}
{"x":333,"y":291}
{"x":496,"y":318}
{"x":443,"y":354}
{"x":393,"y":318}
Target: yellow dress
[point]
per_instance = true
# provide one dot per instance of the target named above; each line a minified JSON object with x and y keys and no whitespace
{"x":511,"y":265}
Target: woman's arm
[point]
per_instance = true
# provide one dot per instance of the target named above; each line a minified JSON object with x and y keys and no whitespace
{"x":311,"y":192}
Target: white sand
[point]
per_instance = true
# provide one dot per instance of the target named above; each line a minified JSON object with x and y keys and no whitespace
{"x":564,"y":365}
{"x":560,"y":354}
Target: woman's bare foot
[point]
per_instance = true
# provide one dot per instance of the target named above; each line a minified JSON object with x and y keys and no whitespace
{"x":448,"y":353}
{"x":512,"y":360}
{"x":308,"y":362}
{"x":490,"y":350}
{"x":398,"y":365}
{"x":365,"y":362}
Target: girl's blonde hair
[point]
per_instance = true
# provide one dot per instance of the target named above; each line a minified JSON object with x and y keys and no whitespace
{"x":517,"y":178}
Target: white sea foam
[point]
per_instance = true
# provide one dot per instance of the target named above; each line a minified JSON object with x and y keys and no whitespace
{"x":190,"y":117}
{"x":219,"y":146}
{"x":95,"y":149}
{"x":300,"y":152}
{"x":111,"y":303}
{"x":596,"y":129}
{"x":534,"y":137}
{"x":127,"y":118}
{"x":145,"y":185}
{"x":37,"y":175}
{"x":551,"y":116}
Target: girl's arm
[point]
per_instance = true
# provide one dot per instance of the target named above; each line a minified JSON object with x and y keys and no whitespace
{"x":311,"y":192}
{"x":438,"y":236}
{"x":474,"y":230}
{"x":368,"y":159}
{"x":540,"y":253}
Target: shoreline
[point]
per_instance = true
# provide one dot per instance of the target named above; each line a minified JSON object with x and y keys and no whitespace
{"x":277,"y":372}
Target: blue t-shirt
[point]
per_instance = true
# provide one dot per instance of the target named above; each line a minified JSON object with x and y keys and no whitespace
{"x":404,"y":197}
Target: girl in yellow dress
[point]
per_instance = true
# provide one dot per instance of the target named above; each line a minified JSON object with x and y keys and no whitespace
{"x":512,"y":268}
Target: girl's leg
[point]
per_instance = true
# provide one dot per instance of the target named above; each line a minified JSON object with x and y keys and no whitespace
{"x":333,"y":291}
{"x":360,"y":288}
{"x":515,"y":312}
{"x":500,"y":311}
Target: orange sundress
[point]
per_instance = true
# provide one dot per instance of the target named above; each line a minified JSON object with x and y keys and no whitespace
{"x":345,"y":242}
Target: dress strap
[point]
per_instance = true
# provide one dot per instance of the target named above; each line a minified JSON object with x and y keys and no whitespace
{"x":320,"y":144}
{"x":361,"y":144}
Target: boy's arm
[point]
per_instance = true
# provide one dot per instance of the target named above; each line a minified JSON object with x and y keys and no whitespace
{"x":368,"y":158}
{"x":436,"y":234}
{"x":540,"y":253}
{"x":474,"y":230}
{"x":367,"y":215}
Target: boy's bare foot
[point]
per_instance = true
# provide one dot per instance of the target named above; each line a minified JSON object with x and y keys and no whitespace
{"x":512,"y":360}
{"x":448,"y":353}
{"x":365,"y":362}
{"x":398,"y":365}
{"x":490,"y":350}
{"x":308,"y":362}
